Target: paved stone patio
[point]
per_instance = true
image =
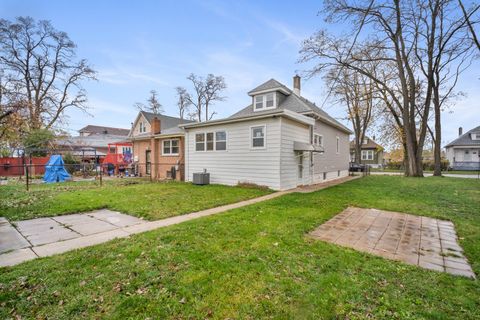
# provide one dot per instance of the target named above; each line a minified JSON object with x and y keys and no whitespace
{"x":422,"y":241}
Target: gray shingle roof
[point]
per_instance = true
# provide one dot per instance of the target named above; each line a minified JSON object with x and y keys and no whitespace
{"x":93,"y":141}
{"x":105,"y":130}
{"x":465,"y":139}
{"x":292,"y":102}
{"x":269,"y":85}
{"x":166,"y":122}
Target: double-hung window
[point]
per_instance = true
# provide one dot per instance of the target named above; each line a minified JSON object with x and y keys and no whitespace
{"x":220,"y":140}
{"x":211,"y":141}
{"x":258,"y":137}
{"x":367,"y":154}
{"x":200,"y":142}
{"x":318,"y":140}
{"x":265,"y":101}
{"x":170,"y":147}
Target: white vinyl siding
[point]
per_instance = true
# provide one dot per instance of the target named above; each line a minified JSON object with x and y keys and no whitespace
{"x":239,"y":162}
{"x":293,"y":131}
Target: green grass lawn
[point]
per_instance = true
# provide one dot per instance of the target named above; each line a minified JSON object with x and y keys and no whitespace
{"x":256,"y":262}
{"x":151,"y":200}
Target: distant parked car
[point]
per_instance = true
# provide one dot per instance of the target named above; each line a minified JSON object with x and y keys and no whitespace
{"x":357,"y":167}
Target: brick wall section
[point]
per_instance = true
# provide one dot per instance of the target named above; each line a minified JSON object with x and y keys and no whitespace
{"x":160,"y":163}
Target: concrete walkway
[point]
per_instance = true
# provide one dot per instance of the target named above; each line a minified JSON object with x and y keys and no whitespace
{"x":42,"y":237}
{"x":426,"y":242}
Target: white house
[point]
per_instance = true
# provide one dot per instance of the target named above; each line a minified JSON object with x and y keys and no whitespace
{"x":463,"y":153}
{"x":281,"y":140}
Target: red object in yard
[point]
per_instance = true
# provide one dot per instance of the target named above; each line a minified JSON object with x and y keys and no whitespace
{"x":119,"y":153}
{"x":13,"y":166}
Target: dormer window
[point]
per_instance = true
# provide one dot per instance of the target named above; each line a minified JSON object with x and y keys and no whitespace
{"x":475,"y":136}
{"x":265,"y":101}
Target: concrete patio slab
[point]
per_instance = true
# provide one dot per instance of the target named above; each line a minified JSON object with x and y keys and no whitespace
{"x":422,"y":241}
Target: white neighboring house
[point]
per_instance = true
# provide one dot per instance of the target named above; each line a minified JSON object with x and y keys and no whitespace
{"x":463,"y":153}
{"x":281,"y":140}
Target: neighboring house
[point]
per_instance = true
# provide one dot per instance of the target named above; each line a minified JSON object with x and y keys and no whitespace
{"x":92,"y":147}
{"x":91,"y":129}
{"x":158,"y":146}
{"x":463,"y":153}
{"x":281,"y":140}
{"x":371,"y":153}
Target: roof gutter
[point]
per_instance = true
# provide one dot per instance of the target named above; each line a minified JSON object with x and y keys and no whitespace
{"x":281,"y":113}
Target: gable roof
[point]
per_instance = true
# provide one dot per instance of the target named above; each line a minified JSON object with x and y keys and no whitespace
{"x":168,"y":124}
{"x":105,"y":130}
{"x":465,"y":139}
{"x":291,"y":102}
{"x":369,"y":145}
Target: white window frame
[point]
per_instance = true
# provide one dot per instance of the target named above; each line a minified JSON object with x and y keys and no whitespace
{"x":215,"y":138}
{"x":204,"y":141}
{"x":141,"y":128}
{"x":319,"y":138}
{"x":366,"y":155}
{"x":125,"y":148}
{"x":264,"y":126}
{"x":214,"y":141}
{"x":338,"y":145}
{"x":264,"y":101}
{"x":171,"y":147}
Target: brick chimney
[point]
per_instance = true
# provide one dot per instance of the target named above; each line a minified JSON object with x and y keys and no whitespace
{"x":156,"y":126}
{"x":296,"y":84}
{"x":460,"y":131}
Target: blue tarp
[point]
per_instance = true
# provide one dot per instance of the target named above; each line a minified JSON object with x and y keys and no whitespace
{"x":55,"y":171}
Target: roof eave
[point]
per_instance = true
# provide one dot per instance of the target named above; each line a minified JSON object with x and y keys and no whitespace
{"x":286,"y":113}
{"x":280,"y":89}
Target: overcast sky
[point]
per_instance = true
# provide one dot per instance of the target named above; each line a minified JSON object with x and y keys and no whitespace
{"x":137,"y":46}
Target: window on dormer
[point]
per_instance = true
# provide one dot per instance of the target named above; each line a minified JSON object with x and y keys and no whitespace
{"x":265,"y":101}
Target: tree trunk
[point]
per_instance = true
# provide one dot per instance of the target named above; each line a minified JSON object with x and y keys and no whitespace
{"x":438,"y":136}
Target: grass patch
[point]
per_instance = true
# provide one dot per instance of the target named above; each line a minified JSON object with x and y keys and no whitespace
{"x":150,"y":200}
{"x":255,"y":262}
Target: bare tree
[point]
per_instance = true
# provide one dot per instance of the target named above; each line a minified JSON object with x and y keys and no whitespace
{"x":357,"y":93}
{"x":183,"y":102}
{"x":41,"y":62}
{"x":468,"y":19}
{"x":214,"y":85}
{"x":153,"y":105}
{"x":443,"y":52}
{"x":387,"y":57}
{"x":206,"y":92}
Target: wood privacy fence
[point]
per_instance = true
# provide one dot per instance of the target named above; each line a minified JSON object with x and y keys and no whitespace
{"x":15,"y":166}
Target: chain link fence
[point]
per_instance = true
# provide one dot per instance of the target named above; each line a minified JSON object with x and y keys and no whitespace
{"x":31,"y":174}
